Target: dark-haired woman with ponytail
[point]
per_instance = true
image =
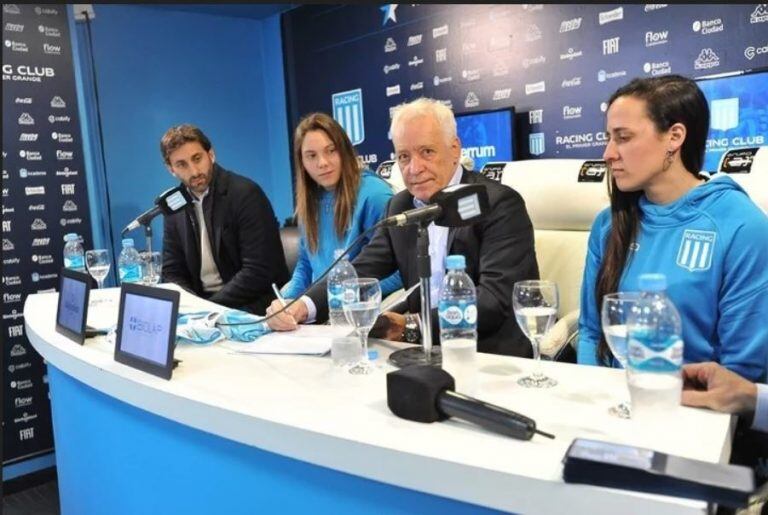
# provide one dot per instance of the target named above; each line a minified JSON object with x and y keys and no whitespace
{"x":704,"y":234}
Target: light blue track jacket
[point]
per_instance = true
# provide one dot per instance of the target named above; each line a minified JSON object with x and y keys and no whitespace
{"x":712,"y":244}
{"x":372,"y":199}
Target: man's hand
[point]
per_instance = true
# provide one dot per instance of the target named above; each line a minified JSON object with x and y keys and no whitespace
{"x":709,"y":385}
{"x":289,"y":319}
{"x":389,"y":326}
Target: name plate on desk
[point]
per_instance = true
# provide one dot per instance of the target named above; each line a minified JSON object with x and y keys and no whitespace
{"x":146,"y":328}
{"x":614,"y":465}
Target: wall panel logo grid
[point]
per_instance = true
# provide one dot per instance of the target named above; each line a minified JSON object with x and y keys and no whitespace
{"x":475,"y":58}
{"x":42,"y":185}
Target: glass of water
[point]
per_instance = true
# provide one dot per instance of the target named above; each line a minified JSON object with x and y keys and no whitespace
{"x":614,"y":314}
{"x":361,"y":303}
{"x":151,"y":267}
{"x":535,"y":304}
{"x":97,"y":262}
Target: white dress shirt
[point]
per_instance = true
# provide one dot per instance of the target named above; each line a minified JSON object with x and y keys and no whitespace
{"x":209,"y":273}
{"x":438,"y":249}
{"x":760,"y":422}
{"x":438,"y":245}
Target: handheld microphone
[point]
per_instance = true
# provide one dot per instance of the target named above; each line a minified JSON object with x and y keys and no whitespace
{"x":453,"y":206}
{"x":426,"y":394}
{"x":168,"y":202}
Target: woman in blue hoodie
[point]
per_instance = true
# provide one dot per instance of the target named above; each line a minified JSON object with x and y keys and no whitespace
{"x":705,"y":235}
{"x":336,"y":201}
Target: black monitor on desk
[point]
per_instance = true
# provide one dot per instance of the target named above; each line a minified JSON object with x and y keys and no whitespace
{"x":146,"y":328}
{"x":72,"y":309}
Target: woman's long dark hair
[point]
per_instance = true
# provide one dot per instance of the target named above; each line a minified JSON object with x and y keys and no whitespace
{"x":668,"y":100}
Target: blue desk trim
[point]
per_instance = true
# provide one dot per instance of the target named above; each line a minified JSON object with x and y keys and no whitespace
{"x":118,"y":459}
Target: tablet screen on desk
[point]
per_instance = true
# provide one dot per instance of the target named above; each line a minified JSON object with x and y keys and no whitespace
{"x":72,"y":310}
{"x":146,"y":329}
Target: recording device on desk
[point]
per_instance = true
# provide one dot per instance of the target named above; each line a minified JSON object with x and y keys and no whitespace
{"x":426,"y":394}
{"x":613,"y":465}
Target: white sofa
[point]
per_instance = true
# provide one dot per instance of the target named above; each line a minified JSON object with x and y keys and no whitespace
{"x":756,"y":181}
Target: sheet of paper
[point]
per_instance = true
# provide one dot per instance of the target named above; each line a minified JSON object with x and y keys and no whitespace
{"x":399,"y":297}
{"x":307,"y":339}
{"x":103,"y":309}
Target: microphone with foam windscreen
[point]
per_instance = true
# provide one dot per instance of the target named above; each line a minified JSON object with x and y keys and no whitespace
{"x":453,"y":206}
{"x":426,"y":394}
{"x":168,"y":202}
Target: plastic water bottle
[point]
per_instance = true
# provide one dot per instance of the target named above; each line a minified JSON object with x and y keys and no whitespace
{"x":345,"y":351}
{"x":129,"y":263}
{"x":74,"y":254}
{"x":457,"y":309}
{"x":654,"y":352}
{"x":338,"y":274}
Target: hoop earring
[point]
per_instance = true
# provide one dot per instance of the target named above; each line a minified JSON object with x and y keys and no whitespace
{"x":668,"y":160}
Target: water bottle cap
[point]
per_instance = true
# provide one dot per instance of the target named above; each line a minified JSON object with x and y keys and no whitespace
{"x":373,"y":354}
{"x":653,"y":282}
{"x":128,"y":242}
{"x":70,"y":236}
{"x":337,"y":253}
{"x":455,"y":261}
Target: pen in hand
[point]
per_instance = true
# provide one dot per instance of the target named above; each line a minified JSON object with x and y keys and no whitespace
{"x":281,"y":300}
{"x":277,"y":294}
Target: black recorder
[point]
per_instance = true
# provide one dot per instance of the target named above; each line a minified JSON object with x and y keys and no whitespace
{"x":615,"y":465}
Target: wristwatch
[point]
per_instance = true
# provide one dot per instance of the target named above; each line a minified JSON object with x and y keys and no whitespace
{"x":412,"y":333}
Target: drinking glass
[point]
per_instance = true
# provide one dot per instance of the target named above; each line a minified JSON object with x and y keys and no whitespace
{"x":361,"y":303}
{"x":614,"y":314}
{"x":97,"y":262}
{"x":535,"y":304}
{"x":151,"y":267}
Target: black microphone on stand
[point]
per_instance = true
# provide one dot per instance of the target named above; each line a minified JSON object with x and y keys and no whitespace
{"x":426,"y":394}
{"x":168,"y":202}
{"x":454,"y":206}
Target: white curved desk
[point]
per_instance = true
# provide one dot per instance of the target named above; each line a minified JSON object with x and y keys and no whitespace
{"x":300,"y":407}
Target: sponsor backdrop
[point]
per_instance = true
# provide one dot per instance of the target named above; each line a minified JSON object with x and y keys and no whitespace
{"x":44,"y":197}
{"x":556,"y":64}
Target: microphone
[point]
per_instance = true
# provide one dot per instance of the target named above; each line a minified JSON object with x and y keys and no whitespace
{"x":168,"y":202}
{"x":453,"y":206}
{"x":426,"y":394}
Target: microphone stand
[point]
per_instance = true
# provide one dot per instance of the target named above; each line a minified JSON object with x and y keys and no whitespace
{"x":426,"y":354}
{"x":148,"y":236}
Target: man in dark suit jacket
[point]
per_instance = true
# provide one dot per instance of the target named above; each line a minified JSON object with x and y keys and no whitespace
{"x":499,"y":251}
{"x":226,"y":247}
